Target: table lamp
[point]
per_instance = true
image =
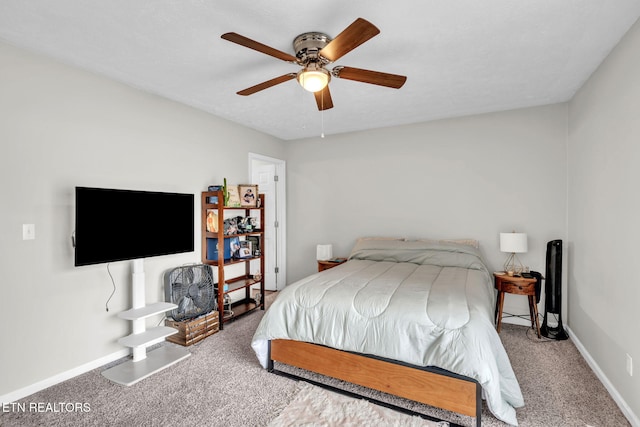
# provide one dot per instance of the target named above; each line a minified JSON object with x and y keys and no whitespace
{"x":513,"y":243}
{"x":324,"y":252}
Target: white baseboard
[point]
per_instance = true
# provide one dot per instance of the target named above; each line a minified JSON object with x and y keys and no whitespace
{"x":622,"y":404}
{"x":63,"y":376}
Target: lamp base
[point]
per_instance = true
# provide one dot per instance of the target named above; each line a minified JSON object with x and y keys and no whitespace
{"x":513,"y":264}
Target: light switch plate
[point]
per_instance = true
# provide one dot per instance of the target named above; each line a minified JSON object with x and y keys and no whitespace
{"x":28,"y":231}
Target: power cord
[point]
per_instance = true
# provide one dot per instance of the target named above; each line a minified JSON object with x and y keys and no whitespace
{"x":534,"y":337}
{"x":106,"y":305}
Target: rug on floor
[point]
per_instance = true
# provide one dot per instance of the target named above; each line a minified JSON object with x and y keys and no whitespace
{"x":315,"y":406}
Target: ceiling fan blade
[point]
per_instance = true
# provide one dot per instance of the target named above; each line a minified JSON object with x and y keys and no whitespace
{"x":351,"y":37}
{"x":252,"y":44}
{"x":323,"y":99}
{"x":266,"y":85}
{"x":366,"y":76}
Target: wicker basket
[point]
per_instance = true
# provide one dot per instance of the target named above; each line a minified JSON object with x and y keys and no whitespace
{"x":194,"y":330}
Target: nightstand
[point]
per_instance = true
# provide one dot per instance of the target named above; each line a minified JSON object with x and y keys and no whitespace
{"x":325,"y":265}
{"x":517,"y":286}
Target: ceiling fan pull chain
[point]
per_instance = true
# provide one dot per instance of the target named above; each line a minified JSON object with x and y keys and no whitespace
{"x":322,"y":118}
{"x":302,"y":99}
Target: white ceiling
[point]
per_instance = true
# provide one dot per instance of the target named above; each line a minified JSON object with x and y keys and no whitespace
{"x":460,"y":56}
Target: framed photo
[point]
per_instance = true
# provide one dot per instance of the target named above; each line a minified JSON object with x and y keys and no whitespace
{"x":214,"y":199}
{"x":248,"y":195}
{"x":255,"y":244}
{"x":233,"y":197}
{"x":234,"y":247}
{"x":245,"y":249}
{"x":212,"y":221}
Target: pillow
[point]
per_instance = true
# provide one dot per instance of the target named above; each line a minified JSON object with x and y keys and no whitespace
{"x":445,"y":252}
{"x":364,"y":242}
{"x":467,"y":242}
{"x":380,"y":238}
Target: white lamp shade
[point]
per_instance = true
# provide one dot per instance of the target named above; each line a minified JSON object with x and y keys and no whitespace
{"x":513,"y":242}
{"x":324,"y":252}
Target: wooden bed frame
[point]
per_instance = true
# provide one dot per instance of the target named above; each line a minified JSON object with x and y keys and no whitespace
{"x":431,"y":386}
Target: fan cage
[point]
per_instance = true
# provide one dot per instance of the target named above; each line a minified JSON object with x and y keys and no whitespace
{"x":192,"y":289}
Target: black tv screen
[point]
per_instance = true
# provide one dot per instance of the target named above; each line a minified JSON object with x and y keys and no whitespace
{"x":117,"y":225}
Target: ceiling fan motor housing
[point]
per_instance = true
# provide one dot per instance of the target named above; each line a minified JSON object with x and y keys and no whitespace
{"x":307,"y":46}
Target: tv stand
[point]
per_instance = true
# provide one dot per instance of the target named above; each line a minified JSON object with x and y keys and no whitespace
{"x":144,"y":363}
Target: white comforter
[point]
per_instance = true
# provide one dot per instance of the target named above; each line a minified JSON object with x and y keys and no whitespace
{"x":421,"y":303}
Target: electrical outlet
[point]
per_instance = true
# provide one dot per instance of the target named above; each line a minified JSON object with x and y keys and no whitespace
{"x":629,"y":365}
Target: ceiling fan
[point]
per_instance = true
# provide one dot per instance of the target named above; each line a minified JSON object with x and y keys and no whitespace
{"x":314,"y":51}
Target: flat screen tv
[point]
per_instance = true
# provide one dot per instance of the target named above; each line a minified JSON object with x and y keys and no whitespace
{"x":116,"y":225}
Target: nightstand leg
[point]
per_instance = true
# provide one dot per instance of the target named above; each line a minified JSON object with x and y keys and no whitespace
{"x":533,"y":308}
{"x":500,"y":305}
{"x":533,"y":325}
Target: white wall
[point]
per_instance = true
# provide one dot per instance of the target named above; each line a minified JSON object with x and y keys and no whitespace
{"x":61,"y":127}
{"x":468,"y":177}
{"x":604,"y":216}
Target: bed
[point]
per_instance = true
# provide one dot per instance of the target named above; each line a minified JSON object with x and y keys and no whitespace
{"x":411,"y":318}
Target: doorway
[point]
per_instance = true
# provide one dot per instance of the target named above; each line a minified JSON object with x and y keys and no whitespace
{"x":270,"y":175}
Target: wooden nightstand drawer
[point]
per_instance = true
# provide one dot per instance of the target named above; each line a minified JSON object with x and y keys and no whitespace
{"x":518,"y":288}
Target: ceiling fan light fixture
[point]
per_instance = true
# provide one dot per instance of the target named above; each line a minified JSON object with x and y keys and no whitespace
{"x":313,"y":78}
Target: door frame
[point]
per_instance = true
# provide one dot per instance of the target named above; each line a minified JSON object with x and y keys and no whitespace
{"x":281,"y":207}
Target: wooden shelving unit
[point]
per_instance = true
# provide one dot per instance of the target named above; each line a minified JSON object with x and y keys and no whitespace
{"x":233,"y":283}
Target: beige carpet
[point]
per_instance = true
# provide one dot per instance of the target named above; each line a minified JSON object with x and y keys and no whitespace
{"x":315,"y":406}
{"x":222,"y":384}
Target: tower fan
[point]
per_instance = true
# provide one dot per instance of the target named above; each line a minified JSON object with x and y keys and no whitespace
{"x":553,"y":291}
{"x":192,"y":289}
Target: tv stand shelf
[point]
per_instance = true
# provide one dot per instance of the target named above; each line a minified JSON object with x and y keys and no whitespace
{"x":147,"y":337}
{"x":130,"y":372}
{"x":147,"y":311}
{"x":144,"y":363}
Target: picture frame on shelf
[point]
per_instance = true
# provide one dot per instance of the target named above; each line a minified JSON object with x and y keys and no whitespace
{"x":214,"y":199}
{"x":255,"y":244}
{"x":233,"y":199}
{"x":234,"y":247}
{"x":212,"y":221}
{"x":245,"y":250}
{"x":248,"y":195}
